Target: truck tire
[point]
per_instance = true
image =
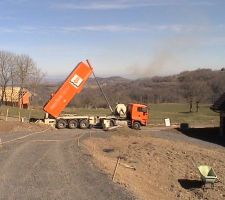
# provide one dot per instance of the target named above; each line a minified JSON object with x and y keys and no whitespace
{"x":84,"y":124}
{"x":90,"y":126}
{"x":73,"y":123}
{"x":136,"y":126}
{"x":61,"y":123}
{"x":112,"y":123}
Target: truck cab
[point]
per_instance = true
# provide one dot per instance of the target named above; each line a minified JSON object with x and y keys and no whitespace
{"x":138,"y":115}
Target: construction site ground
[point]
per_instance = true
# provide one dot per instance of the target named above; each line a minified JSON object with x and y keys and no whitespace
{"x":165,"y":162}
{"x":38,"y":162}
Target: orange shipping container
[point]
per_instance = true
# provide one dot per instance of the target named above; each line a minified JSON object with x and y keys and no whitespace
{"x":72,"y":86}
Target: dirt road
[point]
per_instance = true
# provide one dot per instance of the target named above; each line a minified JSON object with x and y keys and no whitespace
{"x":50,"y":165}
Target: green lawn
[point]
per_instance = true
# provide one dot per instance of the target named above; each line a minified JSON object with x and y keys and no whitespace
{"x":27,"y":113}
{"x":178,"y":113}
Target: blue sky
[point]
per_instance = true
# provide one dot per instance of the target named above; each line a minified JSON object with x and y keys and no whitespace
{"x":132,"y":38}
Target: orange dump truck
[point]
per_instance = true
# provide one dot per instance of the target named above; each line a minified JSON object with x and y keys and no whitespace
{"x":68,"y":90}
{"x":133,"y":115}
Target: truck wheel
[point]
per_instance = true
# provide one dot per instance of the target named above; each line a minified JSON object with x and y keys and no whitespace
{"x":84,"y":124}
{"x":112,"y":122}
{"x":136,"y":126}
{"x":60,"y":124}
{"x":90,"y":126}
{"x":73,"y":124}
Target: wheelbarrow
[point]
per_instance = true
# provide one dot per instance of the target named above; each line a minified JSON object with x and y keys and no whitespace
{"x":208,"y":175}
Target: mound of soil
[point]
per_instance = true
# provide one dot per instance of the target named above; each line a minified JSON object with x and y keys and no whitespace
{"x":165,"y":168}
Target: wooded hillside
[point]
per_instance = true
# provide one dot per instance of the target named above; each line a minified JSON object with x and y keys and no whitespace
{"x":203,"y":85}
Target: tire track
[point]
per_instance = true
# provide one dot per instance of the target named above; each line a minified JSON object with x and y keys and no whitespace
{"x":25,"y":136}
{"x":28,"y":177}
{"x":18,"y":166}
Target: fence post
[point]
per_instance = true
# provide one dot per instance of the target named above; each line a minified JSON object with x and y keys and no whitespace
{"x":29,"y":114}
{"x":7,"y":113}
{"x":114,"y":173}
{"x":19,"y":115}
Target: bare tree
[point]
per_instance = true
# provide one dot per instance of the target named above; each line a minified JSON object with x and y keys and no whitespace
{"x":36,"y":79}
{"x":24,"y":68}
{"x":13,"y":78}
{"x":18,"y":70}
{"x":6,"y":65}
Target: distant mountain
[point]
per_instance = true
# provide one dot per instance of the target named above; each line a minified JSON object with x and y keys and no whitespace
{"x":55,"y":79}
{"x":107,"y":81}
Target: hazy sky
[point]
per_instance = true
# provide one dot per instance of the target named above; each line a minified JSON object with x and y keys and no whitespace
{"x":119,"y":37}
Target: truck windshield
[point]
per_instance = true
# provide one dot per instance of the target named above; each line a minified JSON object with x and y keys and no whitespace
{"x":142,"y":109}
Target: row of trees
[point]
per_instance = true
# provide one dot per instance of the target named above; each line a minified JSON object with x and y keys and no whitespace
{"x":18,"y":70}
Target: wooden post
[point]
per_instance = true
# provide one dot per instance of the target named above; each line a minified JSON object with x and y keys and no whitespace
{"x":222,"y":125}
{"x":78,"y":141}
{"x":7,"y":113}
{"x":29,"y":115}
{"x":93,"y":150}
{"x":114,"y":173}
{"x":19,"y":115}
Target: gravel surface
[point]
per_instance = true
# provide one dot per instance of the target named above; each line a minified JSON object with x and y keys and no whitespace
{"x":176,"y":135}
{"x":51,"y":166}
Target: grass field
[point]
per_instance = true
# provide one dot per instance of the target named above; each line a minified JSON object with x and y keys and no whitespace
{"x":178,"y":113}
{"x":16,"y":112}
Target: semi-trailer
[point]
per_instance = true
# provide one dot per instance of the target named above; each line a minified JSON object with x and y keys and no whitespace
{"x":133,"y":115}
